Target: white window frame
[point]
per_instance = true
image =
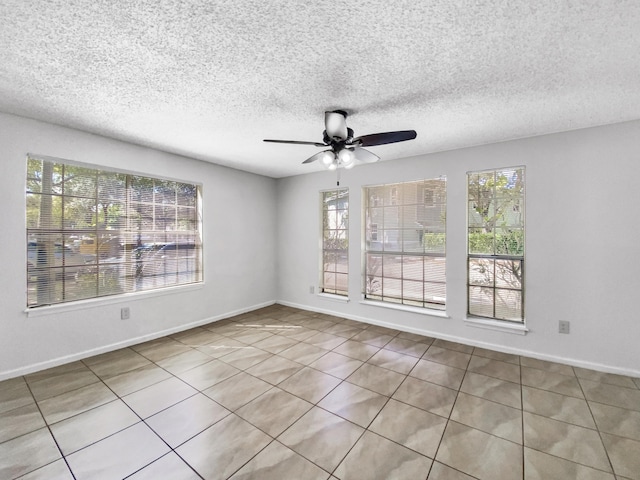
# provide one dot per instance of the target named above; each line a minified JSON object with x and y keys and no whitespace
{"x":90,"y":269}
{"x":396,"y":285}
{"x":334,"y":242}
{"x":496,"y":277}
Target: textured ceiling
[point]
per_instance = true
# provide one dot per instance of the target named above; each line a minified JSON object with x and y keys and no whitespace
{"x":211,"y":79}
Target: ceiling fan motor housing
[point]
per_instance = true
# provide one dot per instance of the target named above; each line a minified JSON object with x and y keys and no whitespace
{"x":334,"y":142}
{"x":344,"y":149}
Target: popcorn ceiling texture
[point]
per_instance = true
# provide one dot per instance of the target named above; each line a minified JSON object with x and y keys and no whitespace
{"x":211,"y":79}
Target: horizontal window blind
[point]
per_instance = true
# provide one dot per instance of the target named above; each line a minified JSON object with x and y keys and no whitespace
{"x":405,"y":255}
{"x":92,"y":232}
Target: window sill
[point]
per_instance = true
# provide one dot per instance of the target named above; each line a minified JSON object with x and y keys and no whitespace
{"x":336,"y":298}
{"x":497,"y":325}
{"x":405,"y":308}
{"x":110,"y":300}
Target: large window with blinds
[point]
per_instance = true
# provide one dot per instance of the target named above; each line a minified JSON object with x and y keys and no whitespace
{"x":93,"y":232}
{"x":496,"y":243}
{"x":335,"y":242}
{"x":405,"y":240}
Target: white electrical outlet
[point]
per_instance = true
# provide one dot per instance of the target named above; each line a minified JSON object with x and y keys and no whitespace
{"x":125,"y":313}
{"x":564,"y":326}
{"x":311,"y":289}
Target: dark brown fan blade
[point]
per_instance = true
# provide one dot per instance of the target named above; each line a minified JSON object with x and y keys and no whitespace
{"x":384,"y":138}
{"x":365,"y":156}
{"x":317,"y":156}
{"x":296,"y":142}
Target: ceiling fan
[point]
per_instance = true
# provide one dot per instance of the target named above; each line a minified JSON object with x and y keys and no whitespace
{"x":345,"y":150}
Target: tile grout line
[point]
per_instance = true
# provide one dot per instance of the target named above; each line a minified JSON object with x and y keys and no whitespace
{"x":604,"y":447}
{"x":50,"y":433}
{"x":447,"y":424}
{"x":142,"y":420}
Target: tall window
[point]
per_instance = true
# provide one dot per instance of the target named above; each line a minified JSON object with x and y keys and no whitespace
{"x":405,"y":243}
{"x":93,"y":232}
{"x":335,"y":241}
{"x":496,"y":244}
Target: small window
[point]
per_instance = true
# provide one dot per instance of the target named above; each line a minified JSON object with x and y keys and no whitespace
{"x":92,"y":232}
{"x":335,"y":242}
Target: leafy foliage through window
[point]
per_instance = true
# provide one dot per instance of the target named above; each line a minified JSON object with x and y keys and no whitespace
{"x":335,"y":241}
{"x":405,"y":234}
{"x":496,"y":244}
{"x":93,"y":232}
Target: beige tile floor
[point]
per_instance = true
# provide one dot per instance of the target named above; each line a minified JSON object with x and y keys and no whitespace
{"x":282,"y":393}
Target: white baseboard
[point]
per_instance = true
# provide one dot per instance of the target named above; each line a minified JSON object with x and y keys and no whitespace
{"x":499,"y":348}
{"x":152,"y":336}
{"x":36,"y":367}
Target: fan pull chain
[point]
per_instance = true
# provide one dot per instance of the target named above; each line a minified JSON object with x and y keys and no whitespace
{"x":338,"y":175}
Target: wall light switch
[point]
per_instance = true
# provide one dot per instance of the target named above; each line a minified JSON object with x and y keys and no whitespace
{"x":564,"y":326}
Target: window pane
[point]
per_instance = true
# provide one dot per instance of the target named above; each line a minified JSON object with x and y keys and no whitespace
{"x":475,"y":218}
{"x":412,"y":290}
{"x":434,"y":242}
{"x":186,"y":219}
{"x":412,"y":240}
{"x":481,"y":242}
{"x":392,"y":218}
{"x":342,"y":262}
{"x":509,"y":241}
{"x":373,"y":286}
{"x":376,"y":215}
{"x":412,"y":268}
{"x":392,"y":240}
{"x":80,"y":182}
{"x":435,"y":293}
{"x":481,"y":301}
{"x":329,"y":280}
{"x":331,"y":219}
{"x":392,"y":288}
{"x":375,"y":196}
{"x":112,"y":216}
{"x":481,"y":272}
{"x":392,"y":266}
{"x":342,"y":284}
{"x":329,"y":261}
{"x":186,"y":194}
{"x":435,"y":269}
{"x":508,"y":305}
{"x":373,"y":274}
{"x":112,"y":187}
{"x":508,"y":274}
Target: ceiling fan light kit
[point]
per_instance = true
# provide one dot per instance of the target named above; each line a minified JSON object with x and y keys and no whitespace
{"x":345,"y":150}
